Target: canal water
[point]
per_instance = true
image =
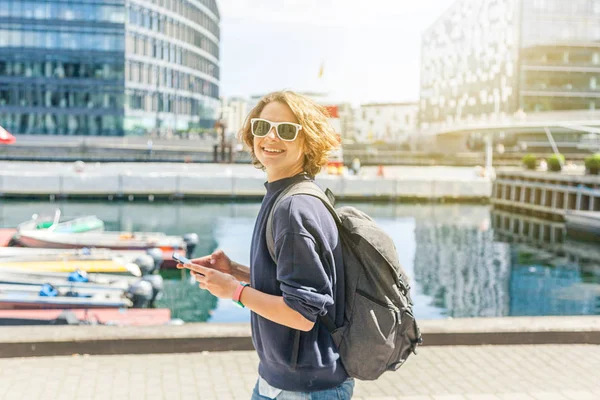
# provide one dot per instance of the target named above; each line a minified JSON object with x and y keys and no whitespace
{"x":457,"y":265}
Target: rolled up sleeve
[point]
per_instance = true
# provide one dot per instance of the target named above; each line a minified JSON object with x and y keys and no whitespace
{"x":303,"y":279}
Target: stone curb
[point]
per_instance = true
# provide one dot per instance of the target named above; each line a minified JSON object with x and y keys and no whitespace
{"x":198,"y":337}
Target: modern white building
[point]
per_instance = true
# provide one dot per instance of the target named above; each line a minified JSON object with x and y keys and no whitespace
{"x":385,"y":122}
{"x":172,"y":64}
{"x":509,"y":69}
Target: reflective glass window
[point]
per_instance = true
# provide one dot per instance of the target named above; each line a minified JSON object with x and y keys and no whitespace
{"x":16,"y":38}
{"x":4,"y":8}
{"x":16,"y":8}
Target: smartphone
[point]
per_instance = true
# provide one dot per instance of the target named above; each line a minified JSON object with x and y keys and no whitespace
{"x":181,"y":259}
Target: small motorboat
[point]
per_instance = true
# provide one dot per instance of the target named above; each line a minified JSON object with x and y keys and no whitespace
{"x":59,"y":224}
{"x":118,"y":241}
{"x":135,"y":262}
{"x":44,"y":297}
{"x":109,"y":265}
{"x":80,"y":282}
{"x":6,"y":234}
{"x":19,"y":290}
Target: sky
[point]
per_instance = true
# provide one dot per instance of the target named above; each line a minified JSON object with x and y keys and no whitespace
{"x":369,"y":49}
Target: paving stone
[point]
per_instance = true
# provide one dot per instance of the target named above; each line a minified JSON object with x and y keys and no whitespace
{"x":502,"y":373}
{"x":515,"y":396}
{"x":580,"y":395}
{"x":548,"y":396}
{"x":416,"y":398}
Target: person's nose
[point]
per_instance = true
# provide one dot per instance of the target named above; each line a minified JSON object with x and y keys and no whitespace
{"x":272,"y":133}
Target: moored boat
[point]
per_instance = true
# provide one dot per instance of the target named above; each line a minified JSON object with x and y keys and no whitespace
{"x":66,"y":265}
{"x":80,"y":281}
{"x":77,"y":293}
{"x":136,"y":262}
{"x":26,"y":300}
{"x":118,"y":241}
{"x":6,"y":234}
{"x":58,"y":223}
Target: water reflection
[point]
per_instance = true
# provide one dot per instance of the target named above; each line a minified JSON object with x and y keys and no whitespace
{"x":551,"y":274}
{"x":537,"y":288}
{"x":463,"y":269}
{"x":461,"y":262}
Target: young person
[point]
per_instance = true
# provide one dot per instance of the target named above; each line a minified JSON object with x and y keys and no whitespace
{"x":290,"y":138}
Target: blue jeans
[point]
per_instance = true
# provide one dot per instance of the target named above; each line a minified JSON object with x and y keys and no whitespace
{"x":341,"y":392}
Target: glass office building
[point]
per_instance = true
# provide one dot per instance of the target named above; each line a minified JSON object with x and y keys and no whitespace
{"x":496,"y":57}
{"x":108,"y":67}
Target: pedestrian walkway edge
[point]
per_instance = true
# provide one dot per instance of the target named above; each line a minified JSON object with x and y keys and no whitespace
{"x":27,"y":341}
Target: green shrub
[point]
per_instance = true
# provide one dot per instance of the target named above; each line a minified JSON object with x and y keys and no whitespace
{"x":555,"y":162}
{"x":529,"y":161}
{"x":592,"y":164}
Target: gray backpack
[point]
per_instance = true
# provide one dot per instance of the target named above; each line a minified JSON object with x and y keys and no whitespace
{"x":379,"y":330}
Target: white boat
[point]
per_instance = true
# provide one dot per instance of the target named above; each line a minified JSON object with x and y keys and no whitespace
{"x":19,"y":301}
{"x":58,"y":223}
{"x":96,"y":260}
{"x":118,"y":241}
{"x":142,"y":291}
{"x":47,"y":296}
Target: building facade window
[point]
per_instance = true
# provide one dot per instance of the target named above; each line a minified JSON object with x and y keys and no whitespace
{"x":551,"y":66}
{"x":100,"y":67}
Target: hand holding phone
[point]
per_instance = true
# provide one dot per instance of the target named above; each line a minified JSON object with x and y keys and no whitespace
{"x":184,"y":260}
{"x":181,"y":259}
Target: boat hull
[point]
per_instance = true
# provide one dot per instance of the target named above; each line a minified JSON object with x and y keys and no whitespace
{"x":54,"y":242}
{"x":103,"y":266}
{"x":6,"y":234}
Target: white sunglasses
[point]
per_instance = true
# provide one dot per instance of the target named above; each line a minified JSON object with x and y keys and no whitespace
{"x":287,"y":131}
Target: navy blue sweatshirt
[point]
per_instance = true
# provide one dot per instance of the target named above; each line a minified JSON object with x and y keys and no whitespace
{"x":309,"y":276}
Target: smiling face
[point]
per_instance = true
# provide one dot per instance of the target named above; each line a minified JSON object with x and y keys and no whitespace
{"x":281,"y":159}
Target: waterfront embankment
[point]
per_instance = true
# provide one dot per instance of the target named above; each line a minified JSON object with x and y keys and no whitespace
{"x":153,"y":181}
{"x":198,"y":337}
{"x":206,"y":150}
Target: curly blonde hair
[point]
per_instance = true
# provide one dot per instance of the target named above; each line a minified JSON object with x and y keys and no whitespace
{"x":318,"y":135}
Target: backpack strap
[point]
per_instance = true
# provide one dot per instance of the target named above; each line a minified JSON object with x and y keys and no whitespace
{"x":304,"y":187}
{"x":309,"y":188}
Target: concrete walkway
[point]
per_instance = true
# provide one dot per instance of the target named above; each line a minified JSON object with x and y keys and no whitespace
{"x":227,"y":181}
{"x":241,"y":170}
{"x":517,"y":372}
